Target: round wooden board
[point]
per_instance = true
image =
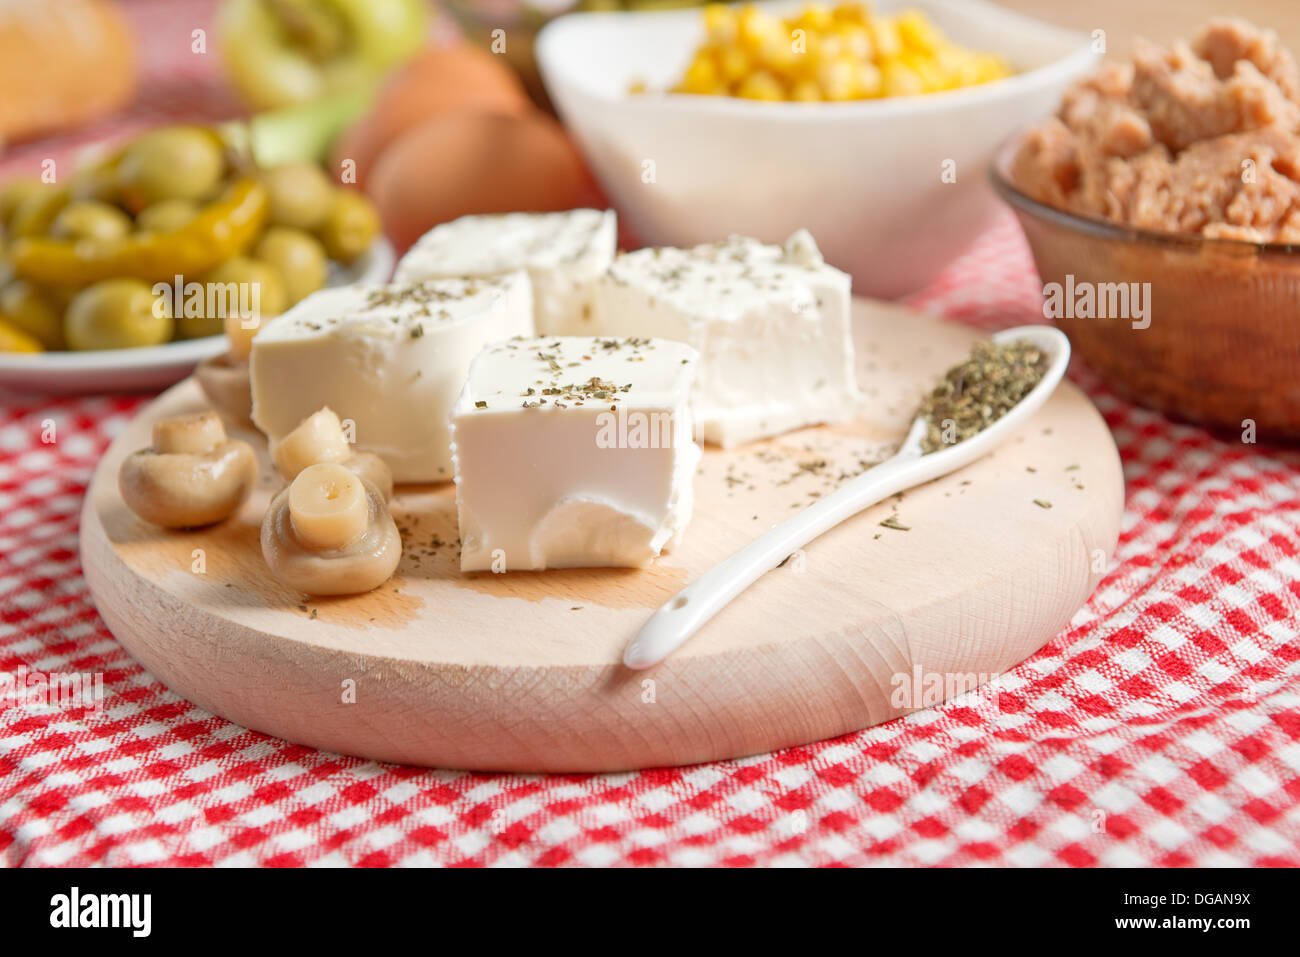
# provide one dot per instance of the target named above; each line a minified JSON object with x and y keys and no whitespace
{"x":521,"y":671}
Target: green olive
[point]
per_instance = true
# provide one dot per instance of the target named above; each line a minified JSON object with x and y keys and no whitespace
{"x":239,"y":286}
{"x":298,"y":257}
{"x":350,"y":227}
{"x":90,"y":219}
{"x":300,"y":194}
{"x":35,"y":211}
{"x":97,"y":182}
{"x":167,"y":216}
{"x":32,"y":310}
{"x":13,"y":193}
{"x":178,"y":162}
{"x":117,"y":314}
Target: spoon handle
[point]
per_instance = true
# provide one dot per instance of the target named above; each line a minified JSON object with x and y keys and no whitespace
{"x":681,"y":616}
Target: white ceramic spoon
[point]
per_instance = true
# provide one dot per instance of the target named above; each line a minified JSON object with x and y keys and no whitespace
{"x":670,"y":626}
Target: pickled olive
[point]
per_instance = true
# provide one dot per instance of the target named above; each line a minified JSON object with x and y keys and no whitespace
{"x":98,"y":182}
{"x":117,"y":314}
{"x":32,"y":311}
{"x":298,"y":257}
{"x":13,"y":193}
{"x":300,"y":195}
{"x":167,"y":216}
{"x":178,"y":162}
{"x":351,"y":226}
{"x":90,"y":219}
{"x":35,"y":211}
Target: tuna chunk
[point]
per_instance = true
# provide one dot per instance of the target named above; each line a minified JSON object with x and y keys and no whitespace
{"x":1195,"y":138}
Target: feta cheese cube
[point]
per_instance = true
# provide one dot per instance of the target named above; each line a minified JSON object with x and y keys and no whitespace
{"x":392,"y":359}
{"x":772,"y":325}
{"x":574,"y":451}
{"x":564,"y":253}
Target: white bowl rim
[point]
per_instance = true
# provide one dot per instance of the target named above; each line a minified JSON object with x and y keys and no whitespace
{"x":550,"y":65}
{"x":176,"y":353}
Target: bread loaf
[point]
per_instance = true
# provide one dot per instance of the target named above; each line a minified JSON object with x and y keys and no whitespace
{"x":62,"y":63}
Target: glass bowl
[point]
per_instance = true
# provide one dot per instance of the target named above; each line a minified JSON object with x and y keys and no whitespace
{"x":1219,"y":343}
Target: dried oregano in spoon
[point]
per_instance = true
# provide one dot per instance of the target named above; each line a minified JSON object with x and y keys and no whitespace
{"x":979,"y":390}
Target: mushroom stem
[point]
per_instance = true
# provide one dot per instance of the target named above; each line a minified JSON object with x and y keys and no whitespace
{"x":328,"y":507}
{"x":318,"y":438}
{"x":195,"y":434}
{"x":240,"y":331}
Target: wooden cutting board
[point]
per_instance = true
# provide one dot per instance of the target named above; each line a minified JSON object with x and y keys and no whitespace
{"x":521,"y":671}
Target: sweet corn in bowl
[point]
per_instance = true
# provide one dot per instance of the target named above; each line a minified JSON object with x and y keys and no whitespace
{"x":893,"y":187}
{"x":829,"y":54}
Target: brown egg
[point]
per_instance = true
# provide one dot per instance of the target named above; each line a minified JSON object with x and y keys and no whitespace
{"x":473,"y":162}
{"x":444,"y":79}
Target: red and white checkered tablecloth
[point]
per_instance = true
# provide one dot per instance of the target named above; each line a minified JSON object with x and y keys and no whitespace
{"x":1162,"y":727}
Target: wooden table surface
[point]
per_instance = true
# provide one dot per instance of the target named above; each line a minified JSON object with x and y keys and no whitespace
{"x":1160,"y":20}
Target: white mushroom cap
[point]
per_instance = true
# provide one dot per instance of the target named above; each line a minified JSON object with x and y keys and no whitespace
{"x":193,"y":475}
{"x":364,"y":563}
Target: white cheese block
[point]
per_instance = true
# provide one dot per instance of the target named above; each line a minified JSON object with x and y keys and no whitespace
{"x":772,"y":325}
{"x":574,"y":451}
{"x":392,"y":359}
{"x":564,"y":253}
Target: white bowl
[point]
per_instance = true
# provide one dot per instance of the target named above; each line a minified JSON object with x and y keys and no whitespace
{"x":150,"y":368}
{"x":864,"y":177}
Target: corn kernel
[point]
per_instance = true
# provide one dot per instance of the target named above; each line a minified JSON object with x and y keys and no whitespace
{"x":701,"y":76}
{"x":989,"y":67}
{"x":898,"y":79}
{"x":826,"y":46}
{"x":917,"y":33}
{"x":829,"y":53}
{"x":733,"y":64}
{"x":933,"y":79}
{"x":815,"y":16}
{"x":866,"y":81}
{"x":785,"y":64}
{"x":757,"y":28}
{"x":761,"y":86}
{"x":719,"y":23}
{"x":855,"y":41}
{"x":804,"y":43}
{"x":806,"y":91}
{"x":884,"y":38}
{"x":836,"y":79}
{"x":850,"y":13}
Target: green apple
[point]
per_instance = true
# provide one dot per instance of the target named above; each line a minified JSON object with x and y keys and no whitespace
{"x":282,"y":52}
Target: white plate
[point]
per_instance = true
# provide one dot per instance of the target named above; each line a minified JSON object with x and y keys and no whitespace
{"x":891,"y":189}
{"x":153,"y":367}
